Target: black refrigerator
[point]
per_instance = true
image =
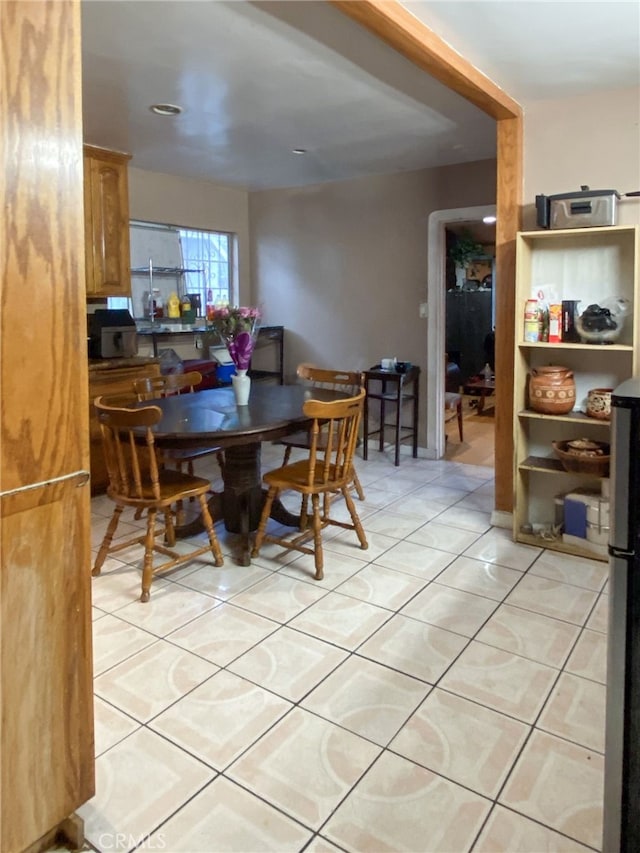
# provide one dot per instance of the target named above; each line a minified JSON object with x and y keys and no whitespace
{"x":622,"y":741}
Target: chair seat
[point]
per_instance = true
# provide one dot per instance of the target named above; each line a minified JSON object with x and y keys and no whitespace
{"x":451,"y":400}
{"x":173,"y":484}
{"x":296,"y":475}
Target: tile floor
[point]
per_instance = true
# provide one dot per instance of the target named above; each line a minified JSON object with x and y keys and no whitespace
{"x":441,"y":691}
{"x":478,"y":431}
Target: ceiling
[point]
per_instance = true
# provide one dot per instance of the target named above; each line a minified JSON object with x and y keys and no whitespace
{"x":259,"y":79}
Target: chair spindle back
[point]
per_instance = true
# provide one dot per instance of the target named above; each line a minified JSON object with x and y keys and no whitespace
{"x":330,"y":458}
{"x":129,"y":453}
{"x":152,"y":387}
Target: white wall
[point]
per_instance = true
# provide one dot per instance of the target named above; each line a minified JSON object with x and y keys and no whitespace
{"x":343,"y":266}
{"x":592,"y":139}
{"x":154,"y":197}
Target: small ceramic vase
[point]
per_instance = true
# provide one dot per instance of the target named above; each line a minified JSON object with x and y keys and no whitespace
{"x":241,"y":387}
{"x":552,"y":390}
{"x":599,"y":403}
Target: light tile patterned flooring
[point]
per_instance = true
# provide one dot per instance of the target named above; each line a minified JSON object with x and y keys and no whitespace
{"x":441,"y":691}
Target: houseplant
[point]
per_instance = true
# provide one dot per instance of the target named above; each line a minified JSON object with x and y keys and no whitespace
{"x":462,"y":252}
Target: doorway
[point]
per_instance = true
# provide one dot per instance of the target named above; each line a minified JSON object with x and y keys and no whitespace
{"x":436,"y":321}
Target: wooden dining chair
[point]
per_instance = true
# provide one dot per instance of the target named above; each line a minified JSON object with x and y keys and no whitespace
{"x":137,"y":480}
{"x":320,"y":377}
{"x":452,"y":399}
{"x":153,"y":387}
{"x":166,"y":385}
{"x":327,"y":469}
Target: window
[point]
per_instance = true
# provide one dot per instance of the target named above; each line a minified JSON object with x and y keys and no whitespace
{"x":210,"y":252}
{"x":184,"y":260}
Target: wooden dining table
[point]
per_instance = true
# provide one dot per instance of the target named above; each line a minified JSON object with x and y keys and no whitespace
{"x":211,"y":418}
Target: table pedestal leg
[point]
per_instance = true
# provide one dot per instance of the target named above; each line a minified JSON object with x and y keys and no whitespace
{"x":242,"y":496}
{"x":240,"y":504}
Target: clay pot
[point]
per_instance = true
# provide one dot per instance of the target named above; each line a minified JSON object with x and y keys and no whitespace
{"x":552,"y":390}
{"x":599,"y":403}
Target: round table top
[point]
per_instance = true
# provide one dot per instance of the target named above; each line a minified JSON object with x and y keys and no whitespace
{"x":212,"y":417}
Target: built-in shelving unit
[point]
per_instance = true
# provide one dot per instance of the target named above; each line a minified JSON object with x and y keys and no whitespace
{"x":177,"y":273}
{"x":592,"y":265}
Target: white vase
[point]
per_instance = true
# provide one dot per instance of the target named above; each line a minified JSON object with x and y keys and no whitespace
{"x":241,"y":387}
{"x":461,"y":274}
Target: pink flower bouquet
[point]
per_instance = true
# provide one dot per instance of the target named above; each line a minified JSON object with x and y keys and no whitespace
{"x":238,"y":329}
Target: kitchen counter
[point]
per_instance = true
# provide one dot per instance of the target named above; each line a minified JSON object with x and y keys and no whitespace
{"x":101,"y":364}
{"x":176,"y":330}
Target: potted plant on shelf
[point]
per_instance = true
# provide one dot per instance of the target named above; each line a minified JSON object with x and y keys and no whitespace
{"x":462,"y":252}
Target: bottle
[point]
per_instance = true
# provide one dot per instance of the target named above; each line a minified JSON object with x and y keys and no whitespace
{"x":210,"y":307}
{"x":487,"y":373}
{"x":173,"y":306}
{"x":185,"y":305}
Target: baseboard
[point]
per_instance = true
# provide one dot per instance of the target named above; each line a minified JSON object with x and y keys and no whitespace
{"x":501,"y":518}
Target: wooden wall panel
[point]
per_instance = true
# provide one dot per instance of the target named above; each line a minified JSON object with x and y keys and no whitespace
{"x":46,"y":738}
{"x":47,"y":707}
{"x":43,"y":364}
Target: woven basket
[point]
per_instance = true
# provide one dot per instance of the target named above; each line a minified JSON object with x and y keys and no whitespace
{"x":597,"y":466}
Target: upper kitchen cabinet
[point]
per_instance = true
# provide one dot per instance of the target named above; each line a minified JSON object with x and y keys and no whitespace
{"x":106,"y":216}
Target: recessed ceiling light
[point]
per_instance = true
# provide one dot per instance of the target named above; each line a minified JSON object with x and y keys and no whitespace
{"x":298,"y":150}
{"x":165,"y":109}
{"x":489,"y":220}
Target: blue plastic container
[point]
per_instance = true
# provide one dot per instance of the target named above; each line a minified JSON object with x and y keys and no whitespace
{"x":224,"y":373}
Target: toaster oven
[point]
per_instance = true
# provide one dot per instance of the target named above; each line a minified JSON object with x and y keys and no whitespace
{"x":584,"y":209}
{"x":111,"y":333}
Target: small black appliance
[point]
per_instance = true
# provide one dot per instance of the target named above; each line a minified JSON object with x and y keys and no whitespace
{"x":111,"y":333}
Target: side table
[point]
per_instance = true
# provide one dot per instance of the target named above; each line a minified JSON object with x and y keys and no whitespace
{"x":393,"y":389}
{"x":482,"y":386}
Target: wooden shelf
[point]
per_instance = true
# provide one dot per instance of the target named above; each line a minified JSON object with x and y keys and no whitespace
{"x":546,"y":464}
{"x":559,"y":545}
{"x":586,"y":347}
{"x":572,"y":417}
{"x":551,"y":465}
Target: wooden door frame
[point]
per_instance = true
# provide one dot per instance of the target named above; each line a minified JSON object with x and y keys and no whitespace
{"x":396,"y":26}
